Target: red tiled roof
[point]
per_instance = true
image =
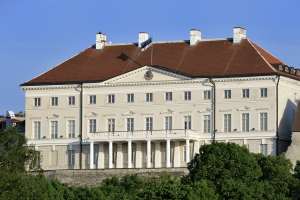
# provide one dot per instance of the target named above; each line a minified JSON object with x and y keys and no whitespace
{"x":215,"y":58}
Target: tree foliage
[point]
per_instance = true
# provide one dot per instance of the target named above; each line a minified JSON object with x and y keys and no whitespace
{"x":219,"y":171}
{"x":14,"y":154}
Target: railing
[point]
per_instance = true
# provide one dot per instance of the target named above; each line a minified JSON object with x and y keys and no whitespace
{"x":175,"y":134}
{"x":143,"y":134}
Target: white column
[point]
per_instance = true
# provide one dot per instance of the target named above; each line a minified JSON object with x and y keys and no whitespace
{"x":129,"y":153}
{"x":168,"y":163}
{"x":101,"y":156}
{"x":119,"y":163}
{"x":187,"y":150}
{"x":177,"y":160}
{"x":139,"y":155}
{"x":196,"y":147}
{"x":157,"y":162}
{"x":91,"y":155}
{"x":110,"y":154}
{"x":148,"y":153}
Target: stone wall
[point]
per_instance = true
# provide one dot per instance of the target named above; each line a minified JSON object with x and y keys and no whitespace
{"x":94,"y":177}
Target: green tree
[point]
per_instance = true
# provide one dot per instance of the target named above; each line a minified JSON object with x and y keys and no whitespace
{"x":14,"y":154}
{"x":238,"y":174}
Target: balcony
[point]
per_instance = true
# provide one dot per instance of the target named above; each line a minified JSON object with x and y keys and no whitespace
{"x":174,"y":134}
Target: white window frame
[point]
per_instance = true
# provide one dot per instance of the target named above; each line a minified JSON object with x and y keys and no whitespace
{"x":207,"y":123}
{"x":54,"y":129}
{"x":71,"y":100}
{"x":92,"y":128}
{"x":130,"y":124}
{"x":37,"y":101}
{"x":169,"y":96}
{"x":263,"y":92}
{"x":246,"y":93}
{"x":187,"y":95}
{"x":149,"y":97}
{"x":92,"y":99}
{"x":37,"y":129}
{"x":227,"y":94}
{"x":130,"y":98}
{"x":244,"y":126}
{"x":149,"y":123}
{"x":111,"y":98}
{"x":54,"y":101}
{"x":227,"y":127}
{"x":111,"y":125}
{"x":263,"y":121}
{"x":187,"y":122}
{"x":71,"y":128}
{"x":168,"y":125}
{"x":207,"y":94}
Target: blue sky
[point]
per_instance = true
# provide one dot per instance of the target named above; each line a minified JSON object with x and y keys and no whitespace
{"x":36,"y":35}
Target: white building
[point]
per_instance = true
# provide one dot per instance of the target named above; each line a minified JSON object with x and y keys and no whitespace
{"x":159,"y":101}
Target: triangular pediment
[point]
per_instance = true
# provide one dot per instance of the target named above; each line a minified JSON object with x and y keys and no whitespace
{"x":147,"y":74}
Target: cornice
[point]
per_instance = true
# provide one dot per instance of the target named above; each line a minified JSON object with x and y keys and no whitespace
{"x":148,"y":83}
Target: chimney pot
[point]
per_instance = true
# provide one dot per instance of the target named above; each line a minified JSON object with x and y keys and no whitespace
{"x":239,"y":33}
{"x":101,"y":40}
{"x":143,"y":39}
{"x":195,"y":36}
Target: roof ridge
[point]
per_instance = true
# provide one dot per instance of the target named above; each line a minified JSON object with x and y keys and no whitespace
{"x":264,"y":59}
{"x":268,"y":52}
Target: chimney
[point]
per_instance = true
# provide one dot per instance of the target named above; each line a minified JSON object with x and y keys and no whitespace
{"x":195,"y":36}
{"x":239,"y":33}
{"x":144,"y":39}
{"x":101,"y":40}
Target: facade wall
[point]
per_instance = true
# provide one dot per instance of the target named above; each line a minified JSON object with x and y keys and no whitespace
{"x":56,"y":152}
{"x":289,"y":91}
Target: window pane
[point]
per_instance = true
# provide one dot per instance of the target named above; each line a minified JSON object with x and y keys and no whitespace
{"x":206,"y":124}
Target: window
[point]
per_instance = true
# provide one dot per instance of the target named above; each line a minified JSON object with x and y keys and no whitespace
{"x":187,"y":122}
{"x":149,"y":97}
{"x":263,"y":121}
{"x":130,"y":98}
{"x":92,"y":126}
{"x":54,"y":129}
{"x":206,"y":128}
{"x":227,"y":123}
{"x":264,"y":149}
{"x":37,"y":129}
{"x":149,"y":123}
{"x":93,"y":99}
{"x":130,"y":124}
{"x":71,"y":100}
{"x":54,"y":101}
{"x":245,"y":122}
{"x":263,"y":92}
{"x":246,"y":93}
{"x":207,"y":94}
{"x":169,"y":96}
{"x":71,"y":159}
{"x":37,"y":102}
{"x":111,"y":98}
{"x":168,"y":122}
{"x":227,"y":94}
{"x":111,"y":125}
{"x":71,"y":128}
{"x":187,"y":95}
